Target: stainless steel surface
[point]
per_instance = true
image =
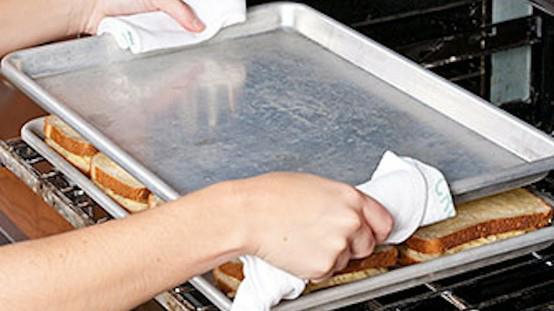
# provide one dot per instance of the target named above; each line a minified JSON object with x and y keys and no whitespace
{"x":292,"y":90}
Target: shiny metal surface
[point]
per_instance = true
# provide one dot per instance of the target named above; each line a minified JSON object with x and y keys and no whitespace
{"x":276,"y":97}
{"x":266,"y":104}
{"x":289,"y":90}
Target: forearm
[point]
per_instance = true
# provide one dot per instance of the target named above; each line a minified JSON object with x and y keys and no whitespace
{"x":29,"y":22}
{"x":120,"y":264}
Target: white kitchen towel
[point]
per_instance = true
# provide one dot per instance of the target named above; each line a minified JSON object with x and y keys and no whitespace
{"x":156,"y":30}
{"x":415,"y":194}
{"x":264,"y":286}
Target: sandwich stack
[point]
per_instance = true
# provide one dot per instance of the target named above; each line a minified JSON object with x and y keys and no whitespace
{"x":229,"y":275}
{"x":478,"y":223}
{"x":69,"y":144}
{"x":106,"y":174}
{"x":118,"y":184}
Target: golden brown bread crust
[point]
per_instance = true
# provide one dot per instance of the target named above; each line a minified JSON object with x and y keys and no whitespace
{"x":227,"y":289}
{"x":82,"y":163}
{"x":80,"y":153}
{"x":228,"y":276}
{"x":233,"y":270}
{"x":409,"y":256}
{"x":482,"y":230}
{"x":118,"y":187}
{"x":405,"y":260}
{"x":382,"y":259}
{"x":79,"y":148}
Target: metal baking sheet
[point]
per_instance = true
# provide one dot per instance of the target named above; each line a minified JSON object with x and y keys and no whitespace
{"x":291,"y":89}
{"x":339,"y":296}
{"x":32,"y":134}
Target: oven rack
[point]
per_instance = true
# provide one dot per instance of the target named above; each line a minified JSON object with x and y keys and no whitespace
{"x":79,"y":209}
{"x":453,"y":293}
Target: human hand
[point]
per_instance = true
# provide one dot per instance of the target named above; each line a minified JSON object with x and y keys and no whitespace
{"x":308,"y":225}
{"x":180,"y":11}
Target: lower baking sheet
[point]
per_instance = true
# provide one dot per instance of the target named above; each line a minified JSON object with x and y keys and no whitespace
{"x":32,"y":134}
{"x":336,"y":297}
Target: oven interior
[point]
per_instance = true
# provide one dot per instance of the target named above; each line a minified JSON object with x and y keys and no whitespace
{"x":501,"y":50}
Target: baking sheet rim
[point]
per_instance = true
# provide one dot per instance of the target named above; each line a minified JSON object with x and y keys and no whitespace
{"x":31,"y":133}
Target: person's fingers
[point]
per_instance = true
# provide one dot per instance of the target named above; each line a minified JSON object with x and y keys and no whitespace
{"x":342,"y":260}
{"x":363,"y":242}
{"x":323,"y":269}
{"x":378,"y":218}
{"x":182,"y":13}
{"x":340,"y":263}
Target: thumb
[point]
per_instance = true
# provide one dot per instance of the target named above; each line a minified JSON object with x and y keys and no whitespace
{"x":182,"y":13}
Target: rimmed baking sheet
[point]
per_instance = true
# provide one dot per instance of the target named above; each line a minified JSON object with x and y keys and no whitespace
{"x":336,"y":297}
{"x":291,"y":89}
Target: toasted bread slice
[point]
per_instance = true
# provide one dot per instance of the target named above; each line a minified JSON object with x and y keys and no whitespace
{"x":119,"y":184}
{"x":479,"y":222}
{"x":409,"y":256}
{"x":68,"y":143}
{"x":377,"y":263}
{"x":130,"y":205}
{"x":228,"y":276}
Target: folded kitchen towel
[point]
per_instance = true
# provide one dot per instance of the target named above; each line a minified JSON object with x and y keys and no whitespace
{"x":415,"y":194}
{"x":156,"y":30}
{"x":264,"y":286}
